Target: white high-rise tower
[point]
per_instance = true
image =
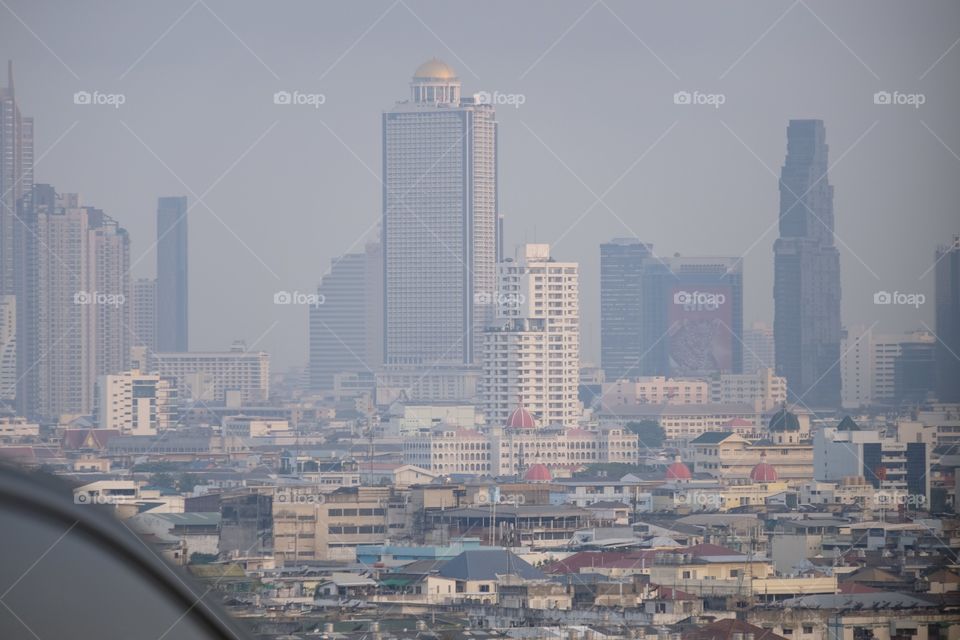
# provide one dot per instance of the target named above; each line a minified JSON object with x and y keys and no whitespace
{"x":532,"y":354}
{"x":440,"y":230}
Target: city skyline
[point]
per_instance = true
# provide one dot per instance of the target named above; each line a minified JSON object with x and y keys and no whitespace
{"x":528,"y":134}
{"x":408,"y":319}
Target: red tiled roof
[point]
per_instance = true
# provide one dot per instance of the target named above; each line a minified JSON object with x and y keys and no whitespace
{"x":585,"y":560}
{"x":669,"y":593}
{"x":725,"y":630}
{"x":855,"y":587}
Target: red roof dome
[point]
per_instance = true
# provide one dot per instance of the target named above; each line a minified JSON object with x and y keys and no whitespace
{"x":538,"y":473}
{"x":521,"y":419}
{"x":678,"y":471}
{"x":763,"y":472}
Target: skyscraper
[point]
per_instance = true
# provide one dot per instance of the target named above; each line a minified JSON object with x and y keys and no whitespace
{"x":621,"y":295}
{"x":16,"y":176}
{"x":172,"y":285}
{"x":532,"y":354}
{"x":78,"y":308}
{"x":440,"y":222}
{"x":759,"y":351}
{"x":692,"y":316}
{"x":341,"y":336}
{"x":8,"y":348}
{"x":144,"y":313}
{"x":806,"y":287}
{"x":948,"y":321}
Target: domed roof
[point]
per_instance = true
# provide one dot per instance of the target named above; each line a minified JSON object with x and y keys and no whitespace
{"x":435,"y":69}
{"x":783,"y":420}
{"x":538,"y":473}
{"x":678,"y":471}
{"x":521,"y":419}
{"x":763,"y":472}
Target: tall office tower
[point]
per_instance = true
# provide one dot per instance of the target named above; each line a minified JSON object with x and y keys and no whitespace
{"x":621,"y":322}
{"x":8,"y":349}
{"x":144,"y":313}
{"x":532,"y":353}
{"x":172,"y":287}
{"x":948,"y":321}
{"x":344,"y":327}
{"x":692,"y":316}
{"x":758,"y":348}
{"x":16,"y":176}
{"x":440,"y":223}
{"x":78,"y":310}
{"x":806,"y":286}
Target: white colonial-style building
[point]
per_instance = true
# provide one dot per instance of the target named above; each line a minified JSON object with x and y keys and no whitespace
{"x":518,"y":445}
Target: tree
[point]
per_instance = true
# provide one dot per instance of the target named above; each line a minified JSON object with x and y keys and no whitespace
{"x":202,"y":558}
{"x":650,"y":432}
{"x":186,"y":482}
{"x":163,"y":480}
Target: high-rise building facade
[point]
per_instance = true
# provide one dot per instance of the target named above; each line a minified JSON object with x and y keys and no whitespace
{"x":77,"y":307}
{"x":440,"y":222}
{"x":947,"y":294}
{"x":621,"y":295}
{"x":759,"y":351}
{"x":215,"y":376}
{"x":172,"y":284}
{"x":16,"y":177}
{"x":110,"y":267}
{"x":136,"y":403}
{"x":144,"y":313}
{"x":532,"y":353}
{"x":8,"y":349}
{"x":692,"y":311}
{"x":806,"y":287}
{"x":345,"y":324}
{"x":885,"y":369}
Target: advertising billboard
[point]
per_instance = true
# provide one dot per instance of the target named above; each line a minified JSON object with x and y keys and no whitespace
{"x":700,"y":337}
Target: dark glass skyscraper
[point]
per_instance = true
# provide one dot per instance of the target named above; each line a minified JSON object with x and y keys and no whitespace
{"x":172,"y":296}
{"x":806,"y":287}
{"x":621,"y":292}
{"x":948,"y":321}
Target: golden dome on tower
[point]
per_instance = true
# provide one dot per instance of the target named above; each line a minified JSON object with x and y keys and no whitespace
{"x":435,"y":69}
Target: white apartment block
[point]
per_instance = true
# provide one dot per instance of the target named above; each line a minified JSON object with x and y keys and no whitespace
{"x":217,"y":374}
{"x":868,"y":365}
{"x":136,"y":403}
{"x":457,"y":450}
{"x":532,"y":355}
{"x":656,"y":390}
{"x":762,"y":390}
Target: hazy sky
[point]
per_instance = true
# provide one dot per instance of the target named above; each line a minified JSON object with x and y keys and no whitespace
{"x":285,"y":188}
